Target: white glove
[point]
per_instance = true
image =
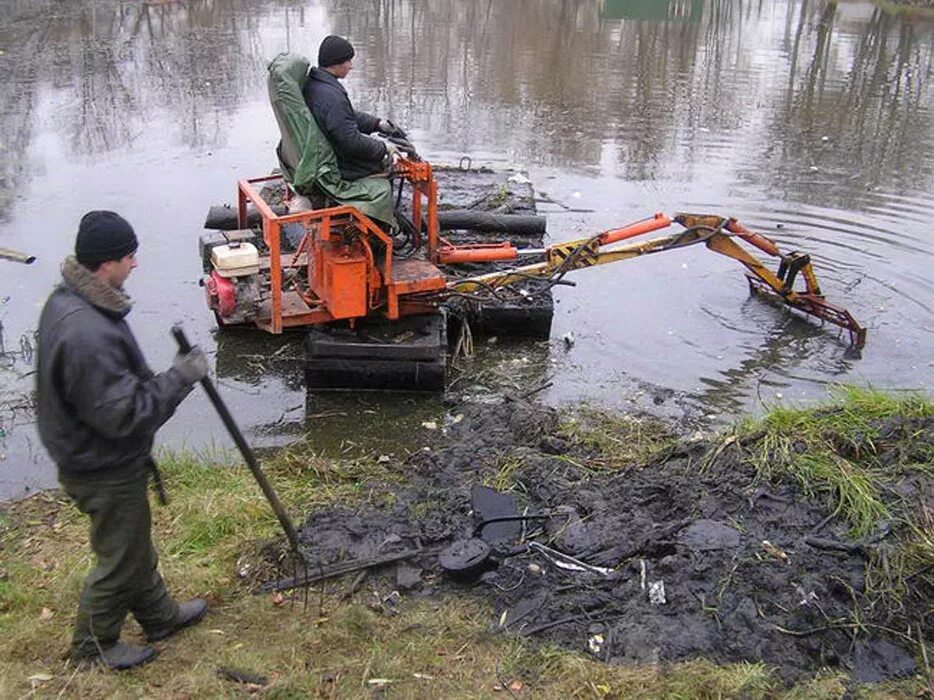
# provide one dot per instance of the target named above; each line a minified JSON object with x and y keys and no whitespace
{"x":299,"y":202}
{"x":193,"y":365}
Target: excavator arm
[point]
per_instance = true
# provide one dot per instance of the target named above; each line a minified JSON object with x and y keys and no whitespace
{"x":719,"y":234}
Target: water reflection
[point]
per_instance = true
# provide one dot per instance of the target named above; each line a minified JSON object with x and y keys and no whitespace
{"x":604,"y":84}
{"x":775,"y":366}
{"x":111,"y":68}
{"x":856,"y":111}
{"x":252,"y":358}
{"x":652,"y":9}
{"x":628,"y":86}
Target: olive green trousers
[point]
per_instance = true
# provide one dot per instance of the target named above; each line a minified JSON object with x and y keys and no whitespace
{"x":125,"y":577}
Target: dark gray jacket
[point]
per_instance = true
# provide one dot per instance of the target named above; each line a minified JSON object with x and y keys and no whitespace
{"x":357,"y":155}
{"x":99,"y":404}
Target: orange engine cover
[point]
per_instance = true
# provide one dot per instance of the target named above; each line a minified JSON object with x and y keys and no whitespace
{"x":345,"y":285}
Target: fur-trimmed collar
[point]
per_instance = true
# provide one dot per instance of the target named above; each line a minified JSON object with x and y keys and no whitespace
{"x":83,"y":282}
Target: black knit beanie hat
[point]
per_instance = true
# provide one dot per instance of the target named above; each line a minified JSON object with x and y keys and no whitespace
{"x":334,"y":50}
{"x":103,"y":236}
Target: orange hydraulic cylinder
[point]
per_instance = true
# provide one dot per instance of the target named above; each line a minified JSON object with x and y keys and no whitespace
{"x":478,"y":254}
{"x":637,"y":229}
{"x":766,"y":245}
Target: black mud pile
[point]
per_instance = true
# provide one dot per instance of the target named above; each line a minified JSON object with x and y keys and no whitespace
{"x":701,"y":558}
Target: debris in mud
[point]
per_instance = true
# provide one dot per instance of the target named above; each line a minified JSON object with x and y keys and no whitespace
{"x":252,"y":681}
{"x":680,"y":558}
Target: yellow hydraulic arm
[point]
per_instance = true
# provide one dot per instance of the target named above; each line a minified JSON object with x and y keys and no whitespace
{"x":717,"y":233}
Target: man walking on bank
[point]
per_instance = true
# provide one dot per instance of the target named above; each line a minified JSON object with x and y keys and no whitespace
{"x":99,"y":407}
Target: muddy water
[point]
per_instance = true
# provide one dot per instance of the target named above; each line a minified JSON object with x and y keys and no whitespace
{"x":810,"y":121}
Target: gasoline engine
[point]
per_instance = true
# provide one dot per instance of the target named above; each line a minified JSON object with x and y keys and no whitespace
{"x":232,"y":280}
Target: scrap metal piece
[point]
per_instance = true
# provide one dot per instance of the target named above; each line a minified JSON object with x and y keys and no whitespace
{"x":487,"y":504}
{"x":567,"y":562}
{"x":657,"y":593}
{"x":465,"y":559}
{"x":341,"y":569}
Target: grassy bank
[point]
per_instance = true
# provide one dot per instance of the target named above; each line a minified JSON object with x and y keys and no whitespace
{"x":851,"y":454}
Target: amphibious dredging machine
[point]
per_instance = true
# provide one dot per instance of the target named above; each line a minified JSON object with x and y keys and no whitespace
{"x":371,"y":279}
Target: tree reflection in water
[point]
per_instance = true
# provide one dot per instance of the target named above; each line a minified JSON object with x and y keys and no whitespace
{"x":586,"y":85}
{"x":109,"y":68}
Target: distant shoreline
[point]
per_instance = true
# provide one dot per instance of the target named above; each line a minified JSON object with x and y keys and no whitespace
{"x":925,"y":7}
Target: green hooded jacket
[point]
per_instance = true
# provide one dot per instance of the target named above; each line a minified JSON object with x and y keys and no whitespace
{"x":305,"y":155}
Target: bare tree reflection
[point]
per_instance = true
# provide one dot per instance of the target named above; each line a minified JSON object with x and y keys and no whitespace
{"x":857,"y":112}
{"x":625,"y":86}
{"x":114,"y":66}
{"x":17,"y":101}
{"x":575,"y":82}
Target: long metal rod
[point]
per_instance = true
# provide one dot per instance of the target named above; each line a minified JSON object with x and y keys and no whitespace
{"x":244,"y":447}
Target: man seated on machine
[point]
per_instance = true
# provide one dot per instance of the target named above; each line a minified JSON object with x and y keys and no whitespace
{"x":358,"y":155}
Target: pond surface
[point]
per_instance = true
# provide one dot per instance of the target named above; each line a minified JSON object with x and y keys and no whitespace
{"x":809,"y":121}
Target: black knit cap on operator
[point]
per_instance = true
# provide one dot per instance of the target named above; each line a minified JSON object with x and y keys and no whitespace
{"x":103,"y":236}
{"x":334,"y":50}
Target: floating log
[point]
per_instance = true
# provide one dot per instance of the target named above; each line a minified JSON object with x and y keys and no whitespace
{"x":470,"y":220}
{"x":223,"y":217}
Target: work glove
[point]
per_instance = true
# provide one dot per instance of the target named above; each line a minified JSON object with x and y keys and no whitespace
{"x":192,"y":365}
{"x":406,"y":148}
{"x":387,"y":127}
{"x":391,"y":151}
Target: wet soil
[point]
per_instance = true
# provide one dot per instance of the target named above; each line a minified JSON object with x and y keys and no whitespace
{"x":701,"y":558}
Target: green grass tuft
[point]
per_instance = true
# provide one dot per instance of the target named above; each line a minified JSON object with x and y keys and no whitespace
{"x":848,"y":453}
{"x":858,"y":454}
{"x":504,"y":478}
{"x":616,"y":440}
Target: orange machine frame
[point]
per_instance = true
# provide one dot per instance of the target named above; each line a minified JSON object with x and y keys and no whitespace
{"x":330,"y":259}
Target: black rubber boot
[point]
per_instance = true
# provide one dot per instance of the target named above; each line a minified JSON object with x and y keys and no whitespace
{"x":120,"y":657}
{"x":188,"y":614}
